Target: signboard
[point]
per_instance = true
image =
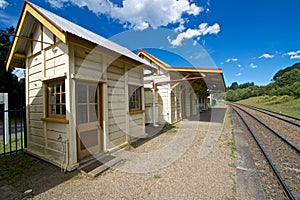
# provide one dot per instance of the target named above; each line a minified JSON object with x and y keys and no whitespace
{"x":4,"y":100}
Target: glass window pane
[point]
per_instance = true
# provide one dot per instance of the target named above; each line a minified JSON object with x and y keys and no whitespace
{"x":52,"y":99}
{"x":58,"y":98}
{"x":93,"y":113}
{"x":57,"y":88}
{"x":81,"y":93}
{"x":82,"y":114}
{"x":51,"y":87}
{"x":63,"y":89}
{"x":52,"y":109}
{"x":63,"y":109}
{"x":63,"y":98}
{"x":92,"y":94}
{"x":58,"y":110}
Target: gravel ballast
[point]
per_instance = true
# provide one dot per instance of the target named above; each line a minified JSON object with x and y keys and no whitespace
{"x":186,"y":174}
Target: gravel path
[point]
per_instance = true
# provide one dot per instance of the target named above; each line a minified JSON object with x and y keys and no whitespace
{"x":186,"y":173}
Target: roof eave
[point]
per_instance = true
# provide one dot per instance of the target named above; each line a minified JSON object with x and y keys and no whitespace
{"x":29,"y":9}
{"x":160,"y":63}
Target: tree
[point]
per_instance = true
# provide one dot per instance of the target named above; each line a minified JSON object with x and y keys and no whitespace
{"x":288,"y":78}
{"x":9,"y":82}
{"x":283,"y":71}
{"x":234,"y":86}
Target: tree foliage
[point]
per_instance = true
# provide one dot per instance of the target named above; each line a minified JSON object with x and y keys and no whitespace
{"x":287,"y":82}
{"x":283,"y":71}
{"x":8,"y":82}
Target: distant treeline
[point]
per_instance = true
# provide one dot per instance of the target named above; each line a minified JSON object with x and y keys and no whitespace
{"x":284,"y":82}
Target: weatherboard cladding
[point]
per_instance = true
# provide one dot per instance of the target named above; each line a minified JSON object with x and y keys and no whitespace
{"x":70,"y":27}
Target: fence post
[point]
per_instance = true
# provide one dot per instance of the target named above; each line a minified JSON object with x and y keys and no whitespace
{"x":25,"y":126}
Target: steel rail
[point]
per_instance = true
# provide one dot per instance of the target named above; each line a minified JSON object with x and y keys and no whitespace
{"x":272,"y":113}
{"x":273,"y":131}
{"x":276,"y":172}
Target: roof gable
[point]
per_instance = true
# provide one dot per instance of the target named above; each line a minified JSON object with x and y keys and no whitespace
{"x":62,"y":28}
{"x":157,"y":61}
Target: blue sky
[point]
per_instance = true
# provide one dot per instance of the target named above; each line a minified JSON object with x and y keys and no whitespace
{"x":250,"y":40}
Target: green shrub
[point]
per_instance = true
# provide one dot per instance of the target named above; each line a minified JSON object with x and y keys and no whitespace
{"x":285,"y":98}
{"x":263,"y":99}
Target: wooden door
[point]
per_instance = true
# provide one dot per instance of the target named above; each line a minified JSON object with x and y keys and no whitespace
{"x":89,"y":119}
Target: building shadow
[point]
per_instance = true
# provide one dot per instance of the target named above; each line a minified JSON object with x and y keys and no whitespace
{"x":24,"y":176}
{"x":152,"y":132}
{"x":215,"y":115}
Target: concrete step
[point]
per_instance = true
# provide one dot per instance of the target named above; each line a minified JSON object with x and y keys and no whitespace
{"x":96,"y":164}
{"x":90,"y":159}
{"x":104,"y":167}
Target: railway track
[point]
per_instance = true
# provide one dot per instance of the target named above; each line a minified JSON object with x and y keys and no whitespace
{"x":291,"y":120}
{"x":281,"y":153}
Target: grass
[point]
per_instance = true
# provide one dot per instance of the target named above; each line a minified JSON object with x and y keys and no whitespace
{"x":19,"y":144}
{"x":232,"y":177}
{"x":232,"y":165}
{"x":156,"y":176}
{"x":14,"y":165}
{"x":282,"y":104}
{"x":231,"y":144}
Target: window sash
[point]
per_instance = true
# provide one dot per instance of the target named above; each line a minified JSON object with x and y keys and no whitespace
{"x":56,"y":99}
{"x":135,"y":100}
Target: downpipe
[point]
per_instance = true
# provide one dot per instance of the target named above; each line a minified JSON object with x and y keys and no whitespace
{"x":65,"y":145}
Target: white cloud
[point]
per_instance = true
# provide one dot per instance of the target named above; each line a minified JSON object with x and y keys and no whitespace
{"x":253,"y":66}
{"x":139,"y":15}
{"x":203,"y":29}
{"x":293,"y":54}
{"x":3,"y":4}
{"x":239,"y":65}
{"x":181,"y":26}
{"x":57,"y":3}
{"x":295,"y":57}
{"x":231,"y":60}
{"x":238,"y":74}
{"x":7,"y":19}
{"x":266,"y":55}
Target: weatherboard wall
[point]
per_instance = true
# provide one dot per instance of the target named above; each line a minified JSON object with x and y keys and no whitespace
{"x":44,"y":62}
{"x":137,"y":119}
{"x":78,"y":65}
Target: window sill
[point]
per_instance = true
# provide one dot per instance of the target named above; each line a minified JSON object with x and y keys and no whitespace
{"x":135,"y":112}
{"x":55,"y":120}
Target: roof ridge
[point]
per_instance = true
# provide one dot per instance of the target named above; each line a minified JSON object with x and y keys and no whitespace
{"x":68,"y":26}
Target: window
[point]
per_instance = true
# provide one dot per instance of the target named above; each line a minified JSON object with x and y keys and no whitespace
{"x":134,"y":98}
{"x":87,"y":103}
{"x":56,"y":99}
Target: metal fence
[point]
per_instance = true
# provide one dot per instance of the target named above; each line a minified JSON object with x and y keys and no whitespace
{"x":12,"y":131}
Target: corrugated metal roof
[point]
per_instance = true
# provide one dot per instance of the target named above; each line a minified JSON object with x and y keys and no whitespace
{"x":213,"y":77}
{"x":70,"y":27}
{"x":30,"y":22}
